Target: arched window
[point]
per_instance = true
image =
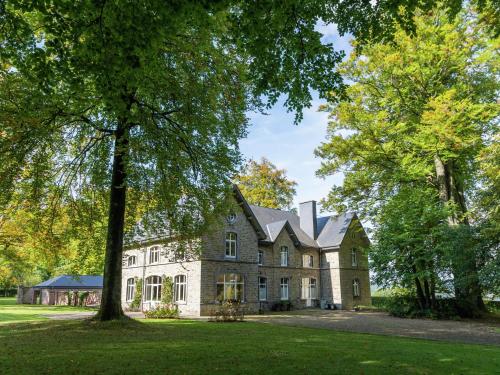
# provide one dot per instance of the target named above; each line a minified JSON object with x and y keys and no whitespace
{"x":355,"y":288}
{"x":132,"y":260}
{"x":180,"y":288}
{"x":231,"y":242}
{"x":154,"y":255}
{"x":230,"y":286}
{"x":284,"y":255}
{"x":354,"y":257}
{"x":130,"y":288}
{"x":153,"y":288}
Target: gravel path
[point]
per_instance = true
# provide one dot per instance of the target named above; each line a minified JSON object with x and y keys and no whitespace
{"x":470,"y":332}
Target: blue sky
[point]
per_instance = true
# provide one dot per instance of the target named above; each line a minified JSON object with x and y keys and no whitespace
{"x":290,"y":146}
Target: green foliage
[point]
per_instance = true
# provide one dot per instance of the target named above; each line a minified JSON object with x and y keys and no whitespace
{"x":163,"y":312}
{"x":228,"y":311}
{"x":136,"y":302}
{"x":167,"y":291}
{"x":262,"y":184}
{"x":410,"y":139}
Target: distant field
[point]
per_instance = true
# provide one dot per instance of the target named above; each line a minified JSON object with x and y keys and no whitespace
{"x":196,"y":347}
{"x":10,"y":312}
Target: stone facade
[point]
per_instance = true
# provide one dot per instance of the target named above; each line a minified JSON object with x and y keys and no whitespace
{"x":330,"y":271}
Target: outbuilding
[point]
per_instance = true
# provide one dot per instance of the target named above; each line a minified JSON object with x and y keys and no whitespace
{"x":82,"y":290}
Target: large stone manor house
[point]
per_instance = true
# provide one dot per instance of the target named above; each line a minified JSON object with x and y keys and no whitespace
{"x":261,"y":257}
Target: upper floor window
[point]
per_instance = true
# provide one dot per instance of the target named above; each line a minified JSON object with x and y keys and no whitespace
{"x":130,"y":289}
{"x":231,"y":241}
{"x":132,"y":260}
{"x":180,"y":288}
{"x":284,"y":288}
{"x":261,"y":258}
{"x":154,"y":255}
{"x":230,"y":286}
{"x":355,"y":288}
{"x":308,"y":261}
{"x":284,"y":256}
{"x":354,"y":257}
{"x":153,"y":288}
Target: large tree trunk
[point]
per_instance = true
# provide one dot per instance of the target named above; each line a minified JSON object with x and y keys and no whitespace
{"x":111,"y":294}
{"x":466,"y":280}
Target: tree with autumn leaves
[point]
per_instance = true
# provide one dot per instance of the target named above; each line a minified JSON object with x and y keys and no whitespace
{"x":412,"y":135}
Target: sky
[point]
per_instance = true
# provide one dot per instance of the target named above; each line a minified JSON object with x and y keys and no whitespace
{"x":290,"y":146}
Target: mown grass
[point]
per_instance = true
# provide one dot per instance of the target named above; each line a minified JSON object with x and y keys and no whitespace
{"x":196,"y":347}
{"x":10,"y":312}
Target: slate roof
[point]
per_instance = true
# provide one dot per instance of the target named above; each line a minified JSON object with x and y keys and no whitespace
{"x":330,"y":229}
{"x":72,"y":282}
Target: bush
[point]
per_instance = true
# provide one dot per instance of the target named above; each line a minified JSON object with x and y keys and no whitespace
{"x":282,"y":306}
{"x":162,"y":312}
{"x":228,"y":311}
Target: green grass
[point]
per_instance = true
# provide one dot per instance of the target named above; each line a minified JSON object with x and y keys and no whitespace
{"x":195,"y":347}
{"x":10,"y":312}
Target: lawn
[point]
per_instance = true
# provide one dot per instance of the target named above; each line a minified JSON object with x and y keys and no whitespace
{"x":187,"y":347}
{"x":10,"y":312}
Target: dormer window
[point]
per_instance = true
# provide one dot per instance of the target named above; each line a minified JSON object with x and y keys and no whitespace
{"x":131,"y":261}
{"x":231,"y":243}
{"x":284,"y":256}
{"x":354,"y":257}
{"x":154,"y":255}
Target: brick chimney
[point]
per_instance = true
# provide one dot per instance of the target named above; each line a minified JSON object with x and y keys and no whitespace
{"x":307,"y":213}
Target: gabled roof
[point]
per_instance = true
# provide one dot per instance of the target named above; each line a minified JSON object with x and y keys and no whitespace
{"x":267,"y":218}
{"x":333,"y":229}
{"x":330,"y":229}
{"x":72,"y":282}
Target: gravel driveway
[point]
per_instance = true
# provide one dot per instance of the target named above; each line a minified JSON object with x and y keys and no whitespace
{"x":471,"y":332}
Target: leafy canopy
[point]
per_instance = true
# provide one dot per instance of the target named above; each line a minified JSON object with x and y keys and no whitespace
{"x":263,"y":184}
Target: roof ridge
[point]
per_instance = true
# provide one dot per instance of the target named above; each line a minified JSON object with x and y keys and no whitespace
{"x":271,"y":208}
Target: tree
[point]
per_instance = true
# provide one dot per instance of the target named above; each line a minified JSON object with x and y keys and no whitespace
{"x":151,"y":96}
{"x":265,"y":185}
{"x":419,"y":112}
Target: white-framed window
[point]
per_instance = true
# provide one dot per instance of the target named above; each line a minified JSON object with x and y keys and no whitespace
{"x":308,"y":261}
{"x":154,"y":255}
{"x":354,"y":257}
{"x":261,"y":258}
{"x":153,"y":288}
{"x":309,"y":288}
{"x":230,"y":286}
{"x":130,"y":289}
{"x":284,"y":256}
{"x":355,"y":288}
{"x":180,"y":286}
{"x":284,"y":282}
{"x":231,"y":244}
{"x":131,"y":261}
{"x":262,"y":289}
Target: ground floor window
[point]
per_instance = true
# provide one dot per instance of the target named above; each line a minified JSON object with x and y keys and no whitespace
{"x":180,"y":288}
{"x":355,"y":288}
{"x":284,"y":288}
{"x":309,"y":288}
{"x":230,"y":286}
{"x":153,"y":288}
{"x":262,"y":289}
{"x":130,"y":289}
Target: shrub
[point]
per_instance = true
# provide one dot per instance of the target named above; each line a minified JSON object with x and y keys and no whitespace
{"x":228,"y":311}
{"x":163,"y":312}
{"x":136,"y":302}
